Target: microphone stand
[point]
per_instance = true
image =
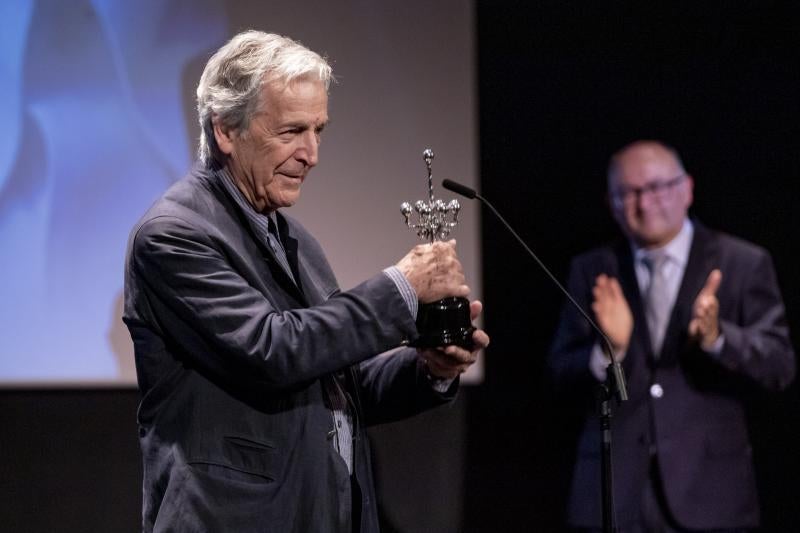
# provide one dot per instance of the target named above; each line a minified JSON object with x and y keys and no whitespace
{"x":613,"y":386}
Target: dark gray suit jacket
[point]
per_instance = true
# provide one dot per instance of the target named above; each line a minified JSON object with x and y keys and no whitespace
{"x":698,"y":426}
{"x":233,"y":423}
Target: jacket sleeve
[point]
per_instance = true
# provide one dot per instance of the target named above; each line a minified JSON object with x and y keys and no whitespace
{"x":395,"y":385}
{"x":757,"y":343}
{"x":224,"y":325}
{"x":569,"y":353}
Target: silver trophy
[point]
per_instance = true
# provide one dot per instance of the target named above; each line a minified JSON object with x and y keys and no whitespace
{"x":446,"y":321}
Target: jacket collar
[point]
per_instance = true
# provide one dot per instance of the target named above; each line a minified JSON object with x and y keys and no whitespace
{"x":256,"y":225}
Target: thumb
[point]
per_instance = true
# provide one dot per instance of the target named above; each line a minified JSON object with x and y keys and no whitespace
{"x":694,"y":327}
{"x":616,"y":288}
{"x":475,"y":308}
{"x":712,"y":282}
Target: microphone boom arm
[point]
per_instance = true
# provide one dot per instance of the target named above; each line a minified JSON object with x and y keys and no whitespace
{"x":621,"y":390}
{"x":614,"y":384}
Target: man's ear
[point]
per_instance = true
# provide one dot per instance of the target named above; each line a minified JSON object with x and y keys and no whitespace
{"x":223,"y":135}
{"x":689,"y":191}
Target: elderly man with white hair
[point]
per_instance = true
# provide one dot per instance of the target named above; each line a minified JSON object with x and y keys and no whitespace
{"x":258,"y":375}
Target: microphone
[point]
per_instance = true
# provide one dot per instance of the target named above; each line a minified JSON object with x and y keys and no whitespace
{"x":616,"y":375}
{"x":457,"y":188}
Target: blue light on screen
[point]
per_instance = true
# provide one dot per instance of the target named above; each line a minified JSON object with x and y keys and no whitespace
{"x":94,"y":100}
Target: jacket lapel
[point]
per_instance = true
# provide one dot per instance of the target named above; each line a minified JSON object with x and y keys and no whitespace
{"x":279,"y":275}
{"x":290,"y":246}
{"x":308,"y":283}
{"x":315,"y":293}
{"x":703,"y":256}
{"x":629,"y":283}
{"x":630,"y":287}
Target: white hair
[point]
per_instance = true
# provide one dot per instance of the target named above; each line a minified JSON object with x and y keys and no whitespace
{"x":230,"y":87}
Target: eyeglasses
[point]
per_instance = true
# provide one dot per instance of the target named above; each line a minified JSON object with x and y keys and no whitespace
{"x":658,"y":190}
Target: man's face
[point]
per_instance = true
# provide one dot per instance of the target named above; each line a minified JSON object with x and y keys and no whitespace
{"x":270,"y":159}
{"x":650,"y":194}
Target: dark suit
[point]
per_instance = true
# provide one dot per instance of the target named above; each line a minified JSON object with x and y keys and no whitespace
{"x":697,"y":429}
{"x":231,"y":354}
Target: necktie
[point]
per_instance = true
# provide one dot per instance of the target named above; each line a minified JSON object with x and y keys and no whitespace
{"x":656,"y":299}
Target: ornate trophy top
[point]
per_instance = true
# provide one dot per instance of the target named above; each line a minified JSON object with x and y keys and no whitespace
{"x":435,"y":218}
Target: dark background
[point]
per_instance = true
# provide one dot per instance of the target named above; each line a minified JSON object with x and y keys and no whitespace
{"x":561,"y":85}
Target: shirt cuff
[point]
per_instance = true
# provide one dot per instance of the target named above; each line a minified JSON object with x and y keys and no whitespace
{"x":716,"y":348}
{"x":440,"y":385}
{"x":598,"y":362}
{"x":406,"y":290}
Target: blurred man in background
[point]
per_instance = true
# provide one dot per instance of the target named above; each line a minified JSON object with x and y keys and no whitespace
{"x":696,"y":318}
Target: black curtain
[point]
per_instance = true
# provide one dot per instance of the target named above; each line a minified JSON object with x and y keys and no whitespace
{"x":562,"y":86}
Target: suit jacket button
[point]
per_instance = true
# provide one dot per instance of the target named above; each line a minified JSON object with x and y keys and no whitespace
{"x":656,"y":390}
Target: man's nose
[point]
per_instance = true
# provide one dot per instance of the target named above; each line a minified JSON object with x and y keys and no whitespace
{"x":644,"y":199}
{"x":308,"y":151}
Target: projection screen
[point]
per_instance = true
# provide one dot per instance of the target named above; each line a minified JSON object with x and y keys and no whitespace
{"x":100,"y":119}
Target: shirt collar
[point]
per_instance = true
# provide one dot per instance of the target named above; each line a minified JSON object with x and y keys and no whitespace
{"x":258,"y":221}
{"x":230,"y":185}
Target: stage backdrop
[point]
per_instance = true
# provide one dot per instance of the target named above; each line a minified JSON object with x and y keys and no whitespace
{"x":99,"y":120}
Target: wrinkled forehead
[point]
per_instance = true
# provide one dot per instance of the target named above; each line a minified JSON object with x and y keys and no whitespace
{"x":302,"y":94}
{"x":641,"y":166}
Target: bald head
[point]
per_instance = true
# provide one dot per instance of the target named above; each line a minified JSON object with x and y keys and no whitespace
{"x":641,"y":150}
{"x":650,"y":192}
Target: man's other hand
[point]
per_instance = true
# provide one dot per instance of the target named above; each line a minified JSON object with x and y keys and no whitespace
{"x":450,"y":361}
{"x":612,"y":313}
{"x":704,"y":325}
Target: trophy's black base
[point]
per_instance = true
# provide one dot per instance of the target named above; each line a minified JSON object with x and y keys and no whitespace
{"x":444,"y":322}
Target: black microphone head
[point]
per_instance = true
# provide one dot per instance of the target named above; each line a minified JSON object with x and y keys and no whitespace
{"x":457,"y":188}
